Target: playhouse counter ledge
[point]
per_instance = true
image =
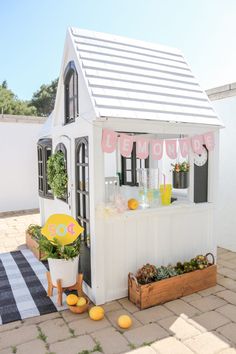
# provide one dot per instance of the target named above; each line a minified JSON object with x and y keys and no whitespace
{"x":159,"y":236}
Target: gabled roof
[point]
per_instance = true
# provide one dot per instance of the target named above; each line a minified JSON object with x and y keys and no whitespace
{"x":128,"y":78}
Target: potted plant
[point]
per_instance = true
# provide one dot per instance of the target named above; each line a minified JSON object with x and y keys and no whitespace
{"x":181,"y":175}
{"x":33,"y":234}
{"x":153,"y":285}
{"x":57,"y":175}
{"x":63,"y":260}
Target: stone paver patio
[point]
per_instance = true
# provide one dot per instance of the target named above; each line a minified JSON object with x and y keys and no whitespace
{"x":202,"y":323}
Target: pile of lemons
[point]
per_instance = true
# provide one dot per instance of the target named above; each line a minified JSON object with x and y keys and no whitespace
{"x":97,"y":313}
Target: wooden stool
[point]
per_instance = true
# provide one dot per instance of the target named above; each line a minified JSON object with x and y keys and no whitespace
{"x":77,"y":286}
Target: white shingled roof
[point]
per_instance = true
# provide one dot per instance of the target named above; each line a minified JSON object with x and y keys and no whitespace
{"x":128,"y":78}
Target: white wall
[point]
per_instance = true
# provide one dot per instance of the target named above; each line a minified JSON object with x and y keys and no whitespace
{"x":225,"y":217}
{"x":18,"y":163}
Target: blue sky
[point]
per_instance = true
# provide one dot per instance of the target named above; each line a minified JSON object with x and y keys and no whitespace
{"x":32,"y":34}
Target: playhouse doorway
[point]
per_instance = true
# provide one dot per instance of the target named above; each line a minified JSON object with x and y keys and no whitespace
{"x":83,"y":204}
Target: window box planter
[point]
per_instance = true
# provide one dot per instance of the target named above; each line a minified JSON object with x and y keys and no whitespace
{"x":180,"y":180}
{"x":33,"y":246}
{"x":159,"y":292}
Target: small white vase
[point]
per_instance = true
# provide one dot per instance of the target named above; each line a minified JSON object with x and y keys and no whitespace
{"x":63,"y":269}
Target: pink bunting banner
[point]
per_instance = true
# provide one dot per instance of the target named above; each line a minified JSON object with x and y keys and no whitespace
{"x":156,"y":149}
{"x":184,"y":145}
{"x":195,"y":143}
{"x":171,"y":150}
{"x":209,"y":141}
{"x":142,"y":145}
{"x":126,"y":144}
{"x":108,"y":140}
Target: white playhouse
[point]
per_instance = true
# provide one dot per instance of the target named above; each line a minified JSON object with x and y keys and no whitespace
{"x":125,"y":111}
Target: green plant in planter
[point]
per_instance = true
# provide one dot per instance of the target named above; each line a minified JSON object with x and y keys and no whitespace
{"x":57,"y":175}
{"x":53,"y":249}
{"x":181,"y":167}
{"x":34,"y":231}
{"x":147,"y":274}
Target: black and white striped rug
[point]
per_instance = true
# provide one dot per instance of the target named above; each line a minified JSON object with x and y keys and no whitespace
{"x":23,"y":287}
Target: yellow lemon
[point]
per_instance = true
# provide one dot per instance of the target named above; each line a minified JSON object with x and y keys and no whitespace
{"x":81,"y":301}
{"x":124,"y":321}
{"x":72,"y":299}
{"x":96,"y":313}
{"x":132,"y":204}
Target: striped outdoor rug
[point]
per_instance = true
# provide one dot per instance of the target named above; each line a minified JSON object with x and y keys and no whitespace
{"x":23,"y":287}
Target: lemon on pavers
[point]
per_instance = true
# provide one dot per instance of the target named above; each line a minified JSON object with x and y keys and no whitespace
{"x":72,"y":299}
{"x":133,"y":204}
{"x":96,"y":313}
{"x":81,"y":301}
{"x":124,"y":321}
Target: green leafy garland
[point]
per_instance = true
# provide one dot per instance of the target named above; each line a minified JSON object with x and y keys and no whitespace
{"x":57,"y":175}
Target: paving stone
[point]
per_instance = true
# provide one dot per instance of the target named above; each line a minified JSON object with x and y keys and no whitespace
{"x":228,"y":351}
{"x":55,"y":330}
{"x":145,"y":334}
{"x":170,"y":346}
{"x":153,"y":314}
{"x":228,"y":264}
{"x":210,"y":320}
{"x":36,"y":346}
{"x":221,"y":250}
{"x":18,"y":336}
{"x":228,"y":295}
{"x":227,"y":272}
{"x":73,"y":345}
{"x":70,"y":316}
{"x":114,"y":315}
{"x":128,"y":305}
{"x":228,"y":311}
{"x":39,"y":319}
{"x":212,"y":290}
{"x":144,"y":350}
{"x":9,"y":326}
{"x":208,"y":303}
{"x":228,"y":331}
{"x":111,"y":341}
{"x":192,"y":297}
{"x":88,"y":326}
{"x":227,"y":283}
{"x":207,"y":343}
{"x":227,"y":256}
{"x":112,"y":306}
{"x":179,"y":327}
{"x":8,"y":351}
{"x":181,"y":307}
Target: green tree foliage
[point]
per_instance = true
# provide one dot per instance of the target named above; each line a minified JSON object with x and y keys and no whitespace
{"x":43,"y":99}
{"x":10,"y":104}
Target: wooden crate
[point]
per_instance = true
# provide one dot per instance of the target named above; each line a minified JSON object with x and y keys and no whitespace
{"x":159,"y":292}
{"x":33,"y":246}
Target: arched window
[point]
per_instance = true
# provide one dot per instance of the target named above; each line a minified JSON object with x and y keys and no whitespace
{"x":83,"y":203}
{"x":61,"y":147}
{"x":71,"y":93}
{"x":44,"y":148}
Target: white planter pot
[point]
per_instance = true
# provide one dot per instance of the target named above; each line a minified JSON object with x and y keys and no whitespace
{"x":63,"y":269}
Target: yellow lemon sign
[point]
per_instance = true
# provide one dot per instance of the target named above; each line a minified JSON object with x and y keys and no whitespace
{"x":62,"y":227}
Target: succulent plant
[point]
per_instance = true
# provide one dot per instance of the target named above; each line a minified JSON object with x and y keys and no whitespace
{"x":162,"y":273}
{"x":200,"y":261}
{"x":172,"y":271}
{"x":147,"y":274}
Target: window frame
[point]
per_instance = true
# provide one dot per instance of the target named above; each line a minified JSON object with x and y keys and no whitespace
{"x":133,"y":157}
{"x":70,"y":73}
{"x":43,"y":146}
